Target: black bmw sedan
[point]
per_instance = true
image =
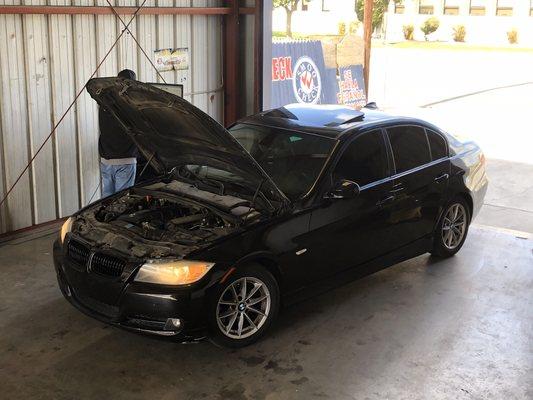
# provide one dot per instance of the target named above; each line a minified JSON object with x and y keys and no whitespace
{"x":287,"y":203}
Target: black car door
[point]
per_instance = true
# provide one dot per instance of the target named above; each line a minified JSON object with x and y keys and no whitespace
{"x":348,"y":232}
{"x":420,"y":181}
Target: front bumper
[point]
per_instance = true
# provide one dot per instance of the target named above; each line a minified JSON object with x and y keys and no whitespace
{"x":138,"y":307}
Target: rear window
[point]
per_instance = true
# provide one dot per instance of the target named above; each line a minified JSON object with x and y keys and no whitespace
{"x":437,"y":145}
{"x":409,"y":147}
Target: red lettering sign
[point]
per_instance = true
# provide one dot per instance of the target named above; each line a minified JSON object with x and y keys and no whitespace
{"x":275,"y":69}
{"x":281,"y":68}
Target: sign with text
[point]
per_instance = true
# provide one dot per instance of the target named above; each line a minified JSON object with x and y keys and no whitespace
{"x":172,"y":59}
{"x":351,"y":87}
{"x":299,"y":75}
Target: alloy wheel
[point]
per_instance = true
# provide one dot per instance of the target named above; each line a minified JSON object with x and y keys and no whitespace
{"x":243,"y":308}
{"x":454,"y":226}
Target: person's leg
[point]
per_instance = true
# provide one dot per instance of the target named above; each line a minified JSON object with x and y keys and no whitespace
{"x":124,"y":176}
{"x":108,"y":181}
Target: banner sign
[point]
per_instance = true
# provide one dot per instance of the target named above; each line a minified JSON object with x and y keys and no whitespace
{"x":351,"y":89}
{"x":299,"y":75}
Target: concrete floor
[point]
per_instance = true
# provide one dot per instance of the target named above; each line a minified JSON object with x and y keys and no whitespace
{"x":509,"y":200}
{"x":423,"y":329}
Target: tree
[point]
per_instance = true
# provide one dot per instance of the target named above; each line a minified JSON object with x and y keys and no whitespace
{"x":290,"y":6}
{"x":380,"y":6}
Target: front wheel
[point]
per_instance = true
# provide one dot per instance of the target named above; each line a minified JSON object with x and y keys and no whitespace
{"x":243,"y":308}
{"x":452,"y":229}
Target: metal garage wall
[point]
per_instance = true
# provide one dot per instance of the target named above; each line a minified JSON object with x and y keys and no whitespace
{"x":46,"y":59}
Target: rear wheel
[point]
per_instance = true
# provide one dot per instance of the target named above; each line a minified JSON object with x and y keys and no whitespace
{"x":452,"y":228}
{"x":243,"y":308}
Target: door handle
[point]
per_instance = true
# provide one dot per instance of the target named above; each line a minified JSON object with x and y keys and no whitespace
{"x":385,"y":201}
{"x":442,"y":178}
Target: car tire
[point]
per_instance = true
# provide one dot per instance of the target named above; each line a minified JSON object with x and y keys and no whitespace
{"x":236,"y":322}
{"x":452,"y":228}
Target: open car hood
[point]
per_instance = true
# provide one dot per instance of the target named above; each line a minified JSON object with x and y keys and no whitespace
{"x":171,"y":132}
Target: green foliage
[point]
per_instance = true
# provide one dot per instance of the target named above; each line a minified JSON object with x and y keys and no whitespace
{"x":279,"y":34}
{"x":512,"y":36}
{"x":429,"y":26}
{"x":408,"y":31}
{"x":380,"y":6}
{"x":285,"y":3}
{"x":459,"y":33}
{"x":353,"y":27}
{"x":341,"y":28}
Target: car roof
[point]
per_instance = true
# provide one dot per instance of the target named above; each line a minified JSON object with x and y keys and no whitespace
{"x":331,"y":121}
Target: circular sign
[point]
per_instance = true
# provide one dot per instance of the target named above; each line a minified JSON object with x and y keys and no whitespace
{"x":306,"y":83}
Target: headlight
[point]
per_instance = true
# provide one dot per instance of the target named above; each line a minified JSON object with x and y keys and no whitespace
{"x":172,"y":272}
{"x":66,"y":228}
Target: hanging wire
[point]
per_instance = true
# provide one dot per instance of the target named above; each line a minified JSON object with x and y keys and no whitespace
{"x":135,"y":40}
{"x":126,"y":28}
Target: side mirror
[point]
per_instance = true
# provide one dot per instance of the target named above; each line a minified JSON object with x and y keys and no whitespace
{"x":344,"y":189}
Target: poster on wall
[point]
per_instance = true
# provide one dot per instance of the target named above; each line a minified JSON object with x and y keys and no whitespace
{"x":162,"y":60}
{"x":171,"y":59}
{"x":299,"y":75}
{"x":180,"y":59}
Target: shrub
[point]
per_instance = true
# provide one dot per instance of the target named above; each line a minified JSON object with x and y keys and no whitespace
{"x":429,"y":26}
{"x":341,"y":28}
{"x":512,"y":36}
{"x":459,"y":33}
{"x":353,"y":27}
{"x":408,"y":31}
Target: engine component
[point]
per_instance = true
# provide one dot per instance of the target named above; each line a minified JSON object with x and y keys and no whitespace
{"x":162,"y":219}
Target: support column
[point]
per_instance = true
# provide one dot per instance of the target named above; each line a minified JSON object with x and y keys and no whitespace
{"x":231,"y":63}
{"x":367,"y":24}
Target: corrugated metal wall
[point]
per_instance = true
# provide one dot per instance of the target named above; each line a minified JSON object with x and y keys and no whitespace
{"x":45,"y":60}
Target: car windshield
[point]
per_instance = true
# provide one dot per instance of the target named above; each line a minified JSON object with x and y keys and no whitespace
{"x":292,"y":159}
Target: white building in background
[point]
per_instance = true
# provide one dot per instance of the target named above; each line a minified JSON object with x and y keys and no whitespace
{"x":486,"y":21}
{"x":316,"y":17}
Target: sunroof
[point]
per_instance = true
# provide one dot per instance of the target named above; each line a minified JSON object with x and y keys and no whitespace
{"x":317,"y":115}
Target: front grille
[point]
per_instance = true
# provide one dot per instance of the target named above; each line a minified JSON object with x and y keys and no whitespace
{"x":107,"y":265}
{"x":107,"y":310}
{"x":78,"y":253}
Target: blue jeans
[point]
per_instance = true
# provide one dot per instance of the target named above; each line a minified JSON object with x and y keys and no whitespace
{"x":117,"y":177}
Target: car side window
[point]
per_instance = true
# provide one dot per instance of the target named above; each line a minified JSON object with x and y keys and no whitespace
{"x":364,"y":160}
{"x":437,"y":144}
{"x":409,"y":147}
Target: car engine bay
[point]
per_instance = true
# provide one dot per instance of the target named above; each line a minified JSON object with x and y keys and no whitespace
{"x":155,"y":221}
{"x":161,"y":219}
